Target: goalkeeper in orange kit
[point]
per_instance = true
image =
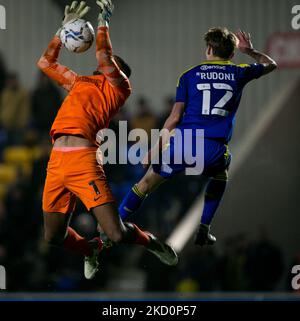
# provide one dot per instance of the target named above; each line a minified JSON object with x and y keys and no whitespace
{"x":72,"y":169}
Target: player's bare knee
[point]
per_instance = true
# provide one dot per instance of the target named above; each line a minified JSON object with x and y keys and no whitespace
{"x":53,"y":238}
{"x":116,"y":236}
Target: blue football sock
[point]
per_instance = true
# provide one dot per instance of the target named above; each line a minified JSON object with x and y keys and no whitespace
{"x":213,"y":196}
{"x":131,"y":203}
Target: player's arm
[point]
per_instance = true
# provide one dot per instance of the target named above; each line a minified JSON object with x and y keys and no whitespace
{"x":48,"y":63}
{"x":104,"y":52}
{"x":245,"y":46}
{"x":170,"y":124}
{"x":174,"y":117}
{"x":54,"y":70}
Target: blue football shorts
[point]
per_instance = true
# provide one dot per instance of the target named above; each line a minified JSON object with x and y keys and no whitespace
{"x":182,"y":149}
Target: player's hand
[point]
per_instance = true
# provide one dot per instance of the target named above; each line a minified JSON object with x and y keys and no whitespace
{"x":106,"y":11}
{"x":245,"y":44}
{"x":75,"y":11}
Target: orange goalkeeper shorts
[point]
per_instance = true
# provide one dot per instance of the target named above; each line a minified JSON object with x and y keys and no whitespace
{"x":73,"y":173}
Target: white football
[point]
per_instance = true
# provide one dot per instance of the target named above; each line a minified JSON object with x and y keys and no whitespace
{"x":77,"y":35}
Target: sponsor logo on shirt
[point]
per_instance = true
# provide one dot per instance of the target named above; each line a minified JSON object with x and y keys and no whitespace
{"x":207,"y":67}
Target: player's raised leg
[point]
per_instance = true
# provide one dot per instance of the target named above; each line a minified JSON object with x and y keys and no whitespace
{"x":58,"y":233}
{"x":213,"y":195}
{"x":135,"y":197}
{"x":55,"y":227}
{"x":152,"y":179}
{"x":119,"y":232}
{"x":58,"y":204}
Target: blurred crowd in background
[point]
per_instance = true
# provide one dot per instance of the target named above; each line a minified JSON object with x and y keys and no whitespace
{"x":25,"y":119}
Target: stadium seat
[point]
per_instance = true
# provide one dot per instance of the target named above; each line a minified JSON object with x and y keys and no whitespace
{"x":36,"y":152}
{"x":8,"y":173}
{"x":3,"y":190}
{"x":19,"y":156}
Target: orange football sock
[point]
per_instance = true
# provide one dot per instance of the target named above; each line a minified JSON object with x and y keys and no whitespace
{"x":142,"y":238}
{"x":77,"y":243}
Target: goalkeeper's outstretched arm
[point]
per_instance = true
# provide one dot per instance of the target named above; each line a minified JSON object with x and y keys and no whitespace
{"x":48,"y":63}
{"x":104,"y":53}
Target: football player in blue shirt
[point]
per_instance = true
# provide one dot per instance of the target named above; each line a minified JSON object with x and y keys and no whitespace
{"x":208,"y":96}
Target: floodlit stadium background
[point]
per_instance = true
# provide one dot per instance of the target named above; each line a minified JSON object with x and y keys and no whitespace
{"x":257,"y":225}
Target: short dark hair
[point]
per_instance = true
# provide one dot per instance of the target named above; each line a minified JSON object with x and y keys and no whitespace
{"x":123,"y":66}
{"x":222,"y":41}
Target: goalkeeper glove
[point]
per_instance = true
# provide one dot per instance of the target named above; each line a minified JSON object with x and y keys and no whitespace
{"x":75,"y":11}
{"x":106,"y":10}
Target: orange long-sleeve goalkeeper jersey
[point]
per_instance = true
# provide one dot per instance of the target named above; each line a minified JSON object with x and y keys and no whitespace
{"x":92,"y":100}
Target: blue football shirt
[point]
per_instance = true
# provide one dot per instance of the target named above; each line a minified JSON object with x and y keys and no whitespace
{"x":212,"y":92}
